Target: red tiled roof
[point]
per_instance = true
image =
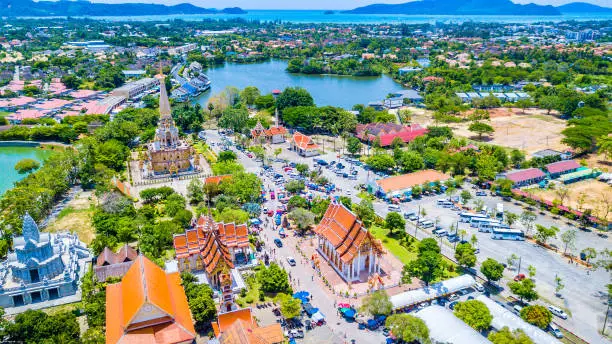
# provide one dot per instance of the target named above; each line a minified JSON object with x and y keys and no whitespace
{"x":108,"y":257}
{"x":239,"y":327}
{"x":344,"y":231}
{"x":387,"y":132}
{"x":562,"y":166}
{"x":409,"y":180}
{"x":303,"y":141}
{"x":523,"y":175}
{"x":217,"y":179}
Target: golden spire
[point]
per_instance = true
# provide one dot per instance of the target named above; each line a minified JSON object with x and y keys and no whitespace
{"x":164,"y":103}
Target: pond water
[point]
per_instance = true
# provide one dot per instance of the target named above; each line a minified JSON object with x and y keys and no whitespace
{"x":341,"y":91}
{"x":9,"y":156}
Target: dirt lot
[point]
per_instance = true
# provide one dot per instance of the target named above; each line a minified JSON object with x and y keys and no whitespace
{"x":76,"y":217}
{"x":592,"y":193}
{"x":530,"y":132}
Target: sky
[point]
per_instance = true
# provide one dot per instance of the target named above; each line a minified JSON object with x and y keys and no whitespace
{"x":320,"y":4}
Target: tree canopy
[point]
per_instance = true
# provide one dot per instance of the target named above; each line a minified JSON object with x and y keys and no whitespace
{"x":474,"y":313}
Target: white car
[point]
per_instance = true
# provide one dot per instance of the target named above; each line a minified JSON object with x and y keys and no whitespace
{"x":558,"y":312}
{"x":453,"y":297}
{"x":479,"y":287}
{"x":291,"y":261}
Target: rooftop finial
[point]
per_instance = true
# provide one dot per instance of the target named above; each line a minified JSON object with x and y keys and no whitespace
{"x":30,"y":229}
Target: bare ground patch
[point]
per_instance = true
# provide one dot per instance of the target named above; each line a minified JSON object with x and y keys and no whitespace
{"x":76,"y":217}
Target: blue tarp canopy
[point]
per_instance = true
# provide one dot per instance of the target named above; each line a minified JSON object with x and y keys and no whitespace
{"x":372,"y":323}
{"x":348,"y":312}
{"x":301,"y":294}
{"x":309,"y":309}
{"x":256,"y":221}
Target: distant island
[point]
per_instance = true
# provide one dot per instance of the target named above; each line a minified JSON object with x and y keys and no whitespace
{"x":329,"y":12}
{"x":476,"y":7}
{"x":12,"y":8}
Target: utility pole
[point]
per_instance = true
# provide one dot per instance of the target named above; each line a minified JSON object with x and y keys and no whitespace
{"x":519,"y":266}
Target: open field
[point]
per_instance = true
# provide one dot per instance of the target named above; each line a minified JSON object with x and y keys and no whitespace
{"x":592,"y":193}
{"x":76,"y":217}
{"x":529,"y":132}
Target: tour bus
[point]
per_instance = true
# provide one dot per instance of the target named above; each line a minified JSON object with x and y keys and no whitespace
{"x":445,"y":203}
{"x":476,"y":221}
{"x":426,"y":224}
{"x":488,"y":227}
{"x":467,"y":217}
{"x":507,"y":234}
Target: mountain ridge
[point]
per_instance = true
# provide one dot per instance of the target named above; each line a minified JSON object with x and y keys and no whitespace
{"x":16,"y":8}
{"x":475,"y":7}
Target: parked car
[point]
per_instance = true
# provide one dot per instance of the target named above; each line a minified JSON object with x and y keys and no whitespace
{"x":278,"y":242}
{"x":555,"y":331}
{"x":517,"y":309}
{"x":557,"y":311}
{"x":481,"y":193}
{"x":453,"y":297}
{"x":479,"y":287}
{"x":394,"y":207}
{"x":453,"y":304}
{"x":519,"y":277}
{"x":291,"y":261}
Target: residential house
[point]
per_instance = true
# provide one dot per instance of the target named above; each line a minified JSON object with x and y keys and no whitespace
{"x":524,"y":177}
{"x":385,"y":133}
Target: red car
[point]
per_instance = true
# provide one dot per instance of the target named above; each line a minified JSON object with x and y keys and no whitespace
{"x":519,"y":277}
{"x":250,"y":155}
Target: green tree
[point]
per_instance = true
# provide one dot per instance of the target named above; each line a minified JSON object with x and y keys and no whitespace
{"x":481,"y":128}
{"x":245,"y":187}
{"x":26,"y":165}
{"x":34,"y":326}
{"x":524,"y":289}
{"x":394,"y":221}
{"x":537,"y":315}
{"x":465,"y":255}
{"x":195,"y":191}
{"x":408,"y":328}
{"x":292,"y":97}
{"x":113,"y":154}
{"x":199,"y":298}
{"x":412,"y":161}
{"x":569,"y":240}
{"x":294,"y":186}
{"x":487,"y":167}
{"x":290,"y":308}
{"x":297,"y":202}
{"x":302,"y":218}
{"x":544,"y":233}
{"x":466,"y":196}
{"x":589,"y":253}
{"x":249,"y":94}
{"x":505,"y":336}
{"x":235,"y":119}
{"x":302,"y":169}
{"x":353,"y":145}
{"x":492,"y":270}
{"x":227,"y":155}
{"x":511,"y":218}
{"x":427,"y":267}
{"x":381,"y":162}
{"x":474,"y":313}
{"x":377,"y":303}
{"x":273,"y":279}
{"x":527,"y":220}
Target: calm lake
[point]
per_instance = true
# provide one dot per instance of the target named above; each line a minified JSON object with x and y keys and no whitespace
{"x":341,"y":91}
{"x":9,"y":156}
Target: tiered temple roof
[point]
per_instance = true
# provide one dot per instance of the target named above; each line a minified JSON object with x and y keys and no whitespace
{"x":239,"y":327}
{"x":148,"y":306}
{"x":345,"y":232}
{"x":212,"y":240}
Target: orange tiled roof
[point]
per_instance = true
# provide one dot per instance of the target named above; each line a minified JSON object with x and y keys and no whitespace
{"x":344,"y":231}
{"x":217,"y":179}
{"x":303,"y":141}
{"x":148,"y":306}
{"x":212,"y":241}
{"x":260,"y":131}
{"x":408,"y":180}
{"x":239,"y":327}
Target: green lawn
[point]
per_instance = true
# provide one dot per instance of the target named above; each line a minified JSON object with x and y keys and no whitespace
{"x":393,"y":245}
{"x":4,"y":114}
{"x":252,"y":295}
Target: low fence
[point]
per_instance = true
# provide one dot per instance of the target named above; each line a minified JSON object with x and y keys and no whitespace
{"x":159,"y":180}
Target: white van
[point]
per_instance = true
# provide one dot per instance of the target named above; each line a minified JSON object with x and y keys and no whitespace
{"x":394,"y":207}
{"x":427,"y":224}
{"x":440,"y":232}
{"x":558,"y":312}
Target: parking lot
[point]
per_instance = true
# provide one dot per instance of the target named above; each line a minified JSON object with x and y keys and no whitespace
{"x":584,"y":291}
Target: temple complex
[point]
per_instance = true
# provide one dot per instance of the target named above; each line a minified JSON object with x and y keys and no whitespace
{"x":276,"y":134}
{"x":213,"y":248}
{"x":43,"y":267}
{"x":348,"y":246}
{"x":168,"y":155}
{"x":148,"y":306}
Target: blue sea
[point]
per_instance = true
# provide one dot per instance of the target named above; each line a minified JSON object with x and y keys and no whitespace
{"x":318,"y":16}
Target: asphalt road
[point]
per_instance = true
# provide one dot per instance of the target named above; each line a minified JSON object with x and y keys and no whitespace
{"x":584,"y":292}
